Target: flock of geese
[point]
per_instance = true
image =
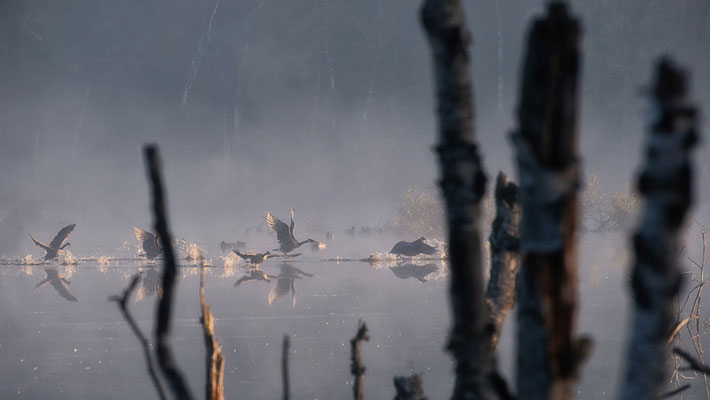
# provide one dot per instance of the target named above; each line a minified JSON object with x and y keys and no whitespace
{"x":152,"y":248}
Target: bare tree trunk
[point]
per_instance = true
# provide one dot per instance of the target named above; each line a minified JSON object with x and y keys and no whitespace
{"x":214,"y":380}
{"x":357,"y":368}
{"x":463,"y":185}
{"x":665,"y":183}
{"x":166,"y":360}
{"x":546,"y":145}
{"x":504,"y":241}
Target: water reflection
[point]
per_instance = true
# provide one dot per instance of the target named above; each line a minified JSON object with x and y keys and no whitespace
{"x":58,"y":282}
{"x":253,"y":274}
{"x":150,"y":284}
{"x":286,"y":282}
{"x":416,"y":271}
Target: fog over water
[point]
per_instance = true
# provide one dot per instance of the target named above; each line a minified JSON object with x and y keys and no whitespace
{"x":258,"y":105}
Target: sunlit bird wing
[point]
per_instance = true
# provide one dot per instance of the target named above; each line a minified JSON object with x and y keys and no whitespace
{"x":283,"y":232}
{"x":40,"y":244}
{"x":142,"y":235}
{"x":62,"y":237}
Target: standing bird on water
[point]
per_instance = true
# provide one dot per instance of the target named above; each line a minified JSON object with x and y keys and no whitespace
{"x":255,"y":259}
{"x":284,"y":234}
{"x":414,"y":248}
{"x":56,"y":247}
{"x":149,"y":243}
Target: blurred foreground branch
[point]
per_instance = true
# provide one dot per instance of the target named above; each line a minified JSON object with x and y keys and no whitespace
{"x":357,"y":368}
{"x":166,"y":360}
{"x":214,"y":381}
{"x":666,"y":185}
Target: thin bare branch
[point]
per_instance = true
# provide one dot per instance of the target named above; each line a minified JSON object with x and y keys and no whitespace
{"x":147,"y":353}
{"x":284,"y":368}
{"x":357,"y":368}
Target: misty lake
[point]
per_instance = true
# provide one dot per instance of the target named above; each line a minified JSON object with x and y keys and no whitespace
{"x":52,"y":347}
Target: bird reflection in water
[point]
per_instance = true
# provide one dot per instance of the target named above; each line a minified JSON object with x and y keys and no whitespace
{"x":58,"y":282}
{"x":286,"y":282}
{"x":416,"y":271}
{"x":253,"y":274}
{"x":150,"y":284}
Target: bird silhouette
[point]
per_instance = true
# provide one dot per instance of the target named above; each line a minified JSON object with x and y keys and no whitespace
{"x":414,"y":248}
{"x":284,"y":234}
{"x":56,"y":247}
{"x":58,"y":283}
{"x":149,"y":242}
{"x":255,"y":258}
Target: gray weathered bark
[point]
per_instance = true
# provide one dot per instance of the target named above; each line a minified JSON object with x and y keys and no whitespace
{"x":166,"y":360}
{"x":665,"y":184}
{"x":546,"y":146}
{"x":284,"y":368}
{"x":505,"y":241}
{"x":463,"y":185}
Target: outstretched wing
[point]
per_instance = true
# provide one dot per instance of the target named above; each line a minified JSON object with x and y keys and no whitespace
{"x":142,"y":235}
{"x":40,"y":244}
{"x":283,"y":232}
{"x":62,"y":236}
{"x":423,"y":248}
{"x":293,"y":225}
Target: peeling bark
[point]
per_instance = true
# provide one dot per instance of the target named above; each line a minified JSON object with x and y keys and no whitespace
{"x":505,"y":241}
{"x":166,"y":360}
{"x":357,"y":368}
{"x":546,"y":145}
{"x":214,"y":380}
{"x":463,"y":185}
{"x":665,"y":183}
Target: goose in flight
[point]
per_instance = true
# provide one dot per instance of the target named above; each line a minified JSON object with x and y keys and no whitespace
{"x":56,"y":247}
{"x":284,"y":234}
{"x":150,"y":243}
{"x":255,"y":259}
{"x":58,"y":283}
{"x":413,"y":248}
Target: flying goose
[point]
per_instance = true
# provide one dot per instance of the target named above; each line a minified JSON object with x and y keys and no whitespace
{"x":255,"y":258}
{"x":284,"y":234}
{"x":150,"y":243}
{"x":56,"y":247}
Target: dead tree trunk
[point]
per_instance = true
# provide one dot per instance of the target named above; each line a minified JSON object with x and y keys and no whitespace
{"x":214,"y":379}
{"x":546,"y":145}
{"x":166,"y":360}
{"x":463,"y":185}
{"x":665,"y":183}
{"x":504,"y":241}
